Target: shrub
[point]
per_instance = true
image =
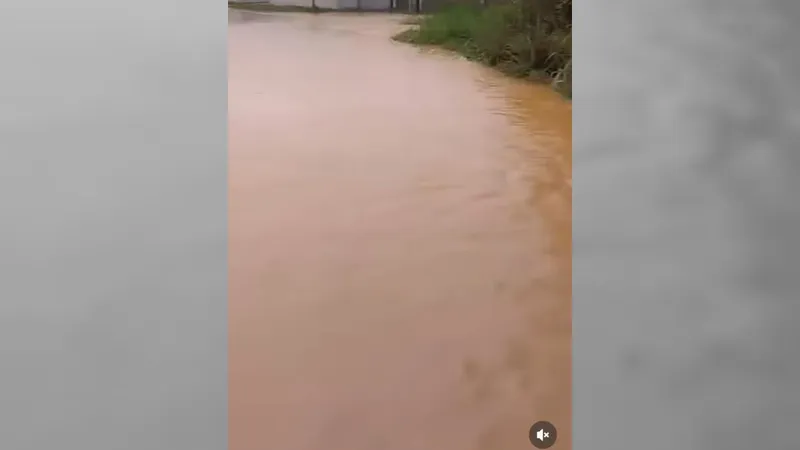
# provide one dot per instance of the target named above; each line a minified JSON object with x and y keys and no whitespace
{"x":525,"y":38}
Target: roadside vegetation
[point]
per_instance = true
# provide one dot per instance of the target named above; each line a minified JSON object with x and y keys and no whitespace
{"x":522,"y":38}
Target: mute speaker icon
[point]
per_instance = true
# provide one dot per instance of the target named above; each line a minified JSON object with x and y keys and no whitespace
{"x":542,"y":435}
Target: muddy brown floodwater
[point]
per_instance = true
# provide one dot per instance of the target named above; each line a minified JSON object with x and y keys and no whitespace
{"x":400,"y":240}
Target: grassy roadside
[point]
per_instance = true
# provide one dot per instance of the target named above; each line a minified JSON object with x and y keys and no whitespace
{"x":522,"y":38}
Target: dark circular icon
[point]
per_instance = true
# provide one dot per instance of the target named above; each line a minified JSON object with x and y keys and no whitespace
{"x":543,"y":434}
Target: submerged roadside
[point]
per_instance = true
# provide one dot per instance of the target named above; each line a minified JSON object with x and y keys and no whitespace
{"x":530,"y":39}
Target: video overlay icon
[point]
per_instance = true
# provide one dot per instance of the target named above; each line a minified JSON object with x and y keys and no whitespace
{"x":543,"y":434}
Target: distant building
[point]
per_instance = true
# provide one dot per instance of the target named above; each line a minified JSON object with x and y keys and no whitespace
{"x":365,"y":5}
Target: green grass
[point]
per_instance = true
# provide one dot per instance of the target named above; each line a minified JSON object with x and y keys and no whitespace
{"x":517,"y":38}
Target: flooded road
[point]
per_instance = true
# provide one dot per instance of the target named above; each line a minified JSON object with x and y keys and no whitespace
{"x":400,"y":241}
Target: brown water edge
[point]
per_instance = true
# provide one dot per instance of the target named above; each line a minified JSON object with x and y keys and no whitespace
{"x":399,"y":243}
{"x":539,"y":358}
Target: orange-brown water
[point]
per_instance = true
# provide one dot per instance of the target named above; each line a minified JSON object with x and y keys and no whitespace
{"x":400,"y":242}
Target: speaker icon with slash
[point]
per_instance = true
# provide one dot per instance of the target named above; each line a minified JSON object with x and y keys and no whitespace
{"x":543,"y":434}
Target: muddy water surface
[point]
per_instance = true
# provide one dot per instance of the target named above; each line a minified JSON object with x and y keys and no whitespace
{"x":399,"y":243}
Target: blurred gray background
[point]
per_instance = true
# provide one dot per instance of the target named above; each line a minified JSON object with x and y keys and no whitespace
{"x":113,"y":233}
{"x":686,"y":262}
